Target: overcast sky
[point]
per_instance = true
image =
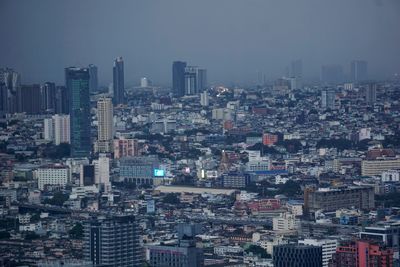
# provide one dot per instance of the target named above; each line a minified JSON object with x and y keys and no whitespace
{"x":233,"y":39}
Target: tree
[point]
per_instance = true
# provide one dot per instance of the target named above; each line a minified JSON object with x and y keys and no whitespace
{"x":4,"y":235}
{"x":290,"y":188}
{"x":58,"y":199}
{"x":31,"y":235}
{"x":77,"y":231}
{"x":257,"y":250}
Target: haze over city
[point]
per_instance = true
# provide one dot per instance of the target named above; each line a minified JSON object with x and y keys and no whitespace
{"x":233,"y":39}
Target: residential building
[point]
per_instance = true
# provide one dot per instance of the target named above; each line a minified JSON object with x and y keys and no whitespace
{"x":105,"y":127}
{"x":378,"y":166}
{"x":52,"y":175}
{"x":178,"y":78}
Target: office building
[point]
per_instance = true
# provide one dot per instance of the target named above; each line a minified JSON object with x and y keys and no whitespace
{"x":138,"y":170}
{"x":3,"y":99}
{"x":235,"y":180}
{"x":294,"y":255}
{"x":57,"y":129}
{"x":190,"y":80}
{"x":204,"y":99}
{"x":378,"y":166}
{"x":62,"y":100}
{"x":105,"y":127}
{"x":328,"y":248}
{"x":178,"y":78}
{"x":87,"y":175}
{"x":358,"y":70}
{"x":370,"y":94}
{"x":328,"y":99}
{"x":48,"y":100}
{"x":125,"y":148}
{"x":269,"y":139}
{"x":296,"y":68}
{"x":112,"y":241}
{"x":362,"y":253}
{"x":331,"y":74}
{"x":118,"y":82}
{"x":184,"y":255}
{"x":102,"y":172}
{"x":51,"y":175}
{"x":93,"y":80}
{"x":77,"y":83}
{"x":29,"y":99}
{"x":12,"y":81}
{"x":386,"y":233}
{"x":201,"y":78}
{"x":333,"y":199}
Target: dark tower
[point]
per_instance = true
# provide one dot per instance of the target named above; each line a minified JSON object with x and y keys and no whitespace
{"x":178,"y":78}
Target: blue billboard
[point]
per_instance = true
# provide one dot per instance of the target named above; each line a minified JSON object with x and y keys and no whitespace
{"x":159,"y":173}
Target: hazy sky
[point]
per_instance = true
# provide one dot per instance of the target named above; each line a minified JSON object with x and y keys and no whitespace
{"x":233,"y":39}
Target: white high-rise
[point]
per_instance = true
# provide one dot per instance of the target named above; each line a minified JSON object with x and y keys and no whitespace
{"x":204,"y":99}
{"x":57,"y":129}
{"x":102,"y":171}
{"x":105,"y":130}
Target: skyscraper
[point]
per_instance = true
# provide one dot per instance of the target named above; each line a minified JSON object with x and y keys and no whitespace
{"x":112,"y":241}
{"x":332,"y":74}
{"x":297,"y":256}
{"x":29,"y":99}
{"x":118,"y":81}
{"x":11,"y":80}
{"x":201,"y":80}
{"x":328,"y":99}
{"x":370,"y":94}
{"x":48,"y":101}
{"x":93,"y":80}
{"x":62,"y":100}
{"x":296,"y":69}
{"x":190,"y":80}
{"x":105,"y":128}
{"x":178,"y":78}
{"x":358,"y":70}
{"x":77,"y":83}
{"x":102,"y":172}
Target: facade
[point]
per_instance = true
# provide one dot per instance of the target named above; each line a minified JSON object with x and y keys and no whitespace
{"x":385,"y":233}
{"x":87,"y":175}
{"x":269,"y":139}
{"x":195,"y":80}
{"x":93,"y":80}
{"x":297,"y":256}
{"x":57,"y":129}
{"x":77,"y":83}
{"x":333,"y":199}
{"x":370,"y":94}
{"x":378,"y":166}
{"x":178,"y":78}
{"x":126,"y":148}
{"x":118,"y":81}
{"x":62,"y":100}
{"x":362,"y":254}
{"x":235,"y":180}
{"x":328,"y":99}
{"x":204,"y":99}
{"x":358,"y":70}
{"x":29,"y":99}
{"x":112,"y":241}
{"x":184,"y":255}
{"x":102,"y":172}
{"x":138,"y":170}
{"x":48,"y":94}
{"x":285,"y":222}
{"x":328,"y":248}
{"x":105,"y":128}
{"x":52,"y":175}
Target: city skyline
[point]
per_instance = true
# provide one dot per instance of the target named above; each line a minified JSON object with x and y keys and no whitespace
{"x":250,"y":37}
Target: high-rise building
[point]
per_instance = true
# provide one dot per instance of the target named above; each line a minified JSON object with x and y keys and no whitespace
{"x":57,"y":129}
{"x":370,"y":94}
{"x":29,"y":99}
{"x":126,"y":148}
{"x":48,"y":101}
{"x":178,"y":78}
{"x":358,"y":70}
{"x":296,"y":69}
{"x":93,"y":80}
{"x":362,"y":253}
{"x":328,"y":99}
{"x":332,"y":74}
{"x":144,"y":82}
{"x":294,"y":255}
{"x":112,"y":241}
{"x":118,"y":81}
{"x":12,"y":82}
{"x":62,"y":100}
{"x":204,"y":99}
{"x":3,"y":99}
{"x":102,"y":172}
{"x":77,"y":83}
{"x":201,"y":80}
{"x":105,"y":128}
{"x":328,"y":248}
{"x":190,"y":80}
{"x":87,"y":175}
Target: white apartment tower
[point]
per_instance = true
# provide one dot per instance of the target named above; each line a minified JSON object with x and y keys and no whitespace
{"x":57,"y":129}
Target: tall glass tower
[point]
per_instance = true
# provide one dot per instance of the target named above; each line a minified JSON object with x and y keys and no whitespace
{"x":118,"y":81}
{"x":77,"y":83}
